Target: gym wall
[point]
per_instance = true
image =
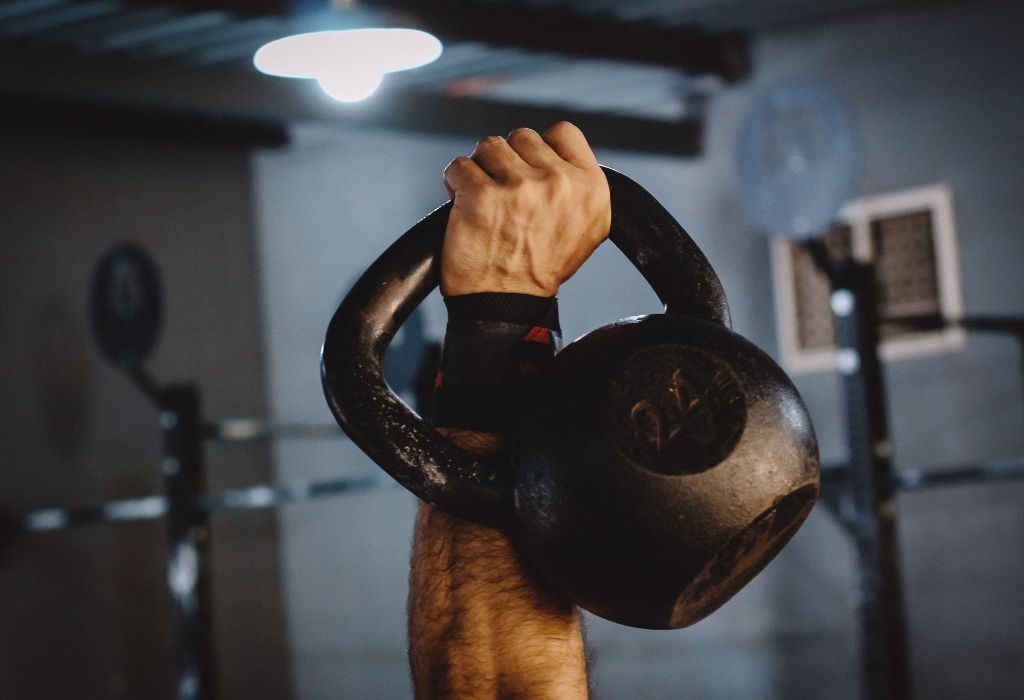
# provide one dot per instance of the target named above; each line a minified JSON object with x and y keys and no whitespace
{"x":86,"y":613}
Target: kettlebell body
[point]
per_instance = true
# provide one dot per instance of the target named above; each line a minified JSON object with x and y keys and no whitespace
{"x":655,"y":466}
{"x":662,"y":461}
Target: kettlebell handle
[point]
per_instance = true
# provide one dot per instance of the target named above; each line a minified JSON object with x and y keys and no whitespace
{"x":398,"y":440}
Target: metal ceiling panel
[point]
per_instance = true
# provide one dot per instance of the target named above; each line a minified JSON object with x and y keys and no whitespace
{"x":56,"y":16}
{"x":633,"y":71}
{"x":17,"y":8}
{"x":175,"y":27}
{"x":207,"y":37}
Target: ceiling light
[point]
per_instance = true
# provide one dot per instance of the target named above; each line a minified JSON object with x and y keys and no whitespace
{"x":350,"y":64}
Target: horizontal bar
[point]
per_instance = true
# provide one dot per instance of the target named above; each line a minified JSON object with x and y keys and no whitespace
{"x":252,"y":429}
{"x":270,"y":496}
{"x":836,"y":476}
{"x":48,"y":519}
{"x":992,"y":472}
{"x":155,"y":507}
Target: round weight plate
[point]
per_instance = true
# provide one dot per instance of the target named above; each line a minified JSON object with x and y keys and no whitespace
{"x":126,"y":304}
{"x":797,"y":159}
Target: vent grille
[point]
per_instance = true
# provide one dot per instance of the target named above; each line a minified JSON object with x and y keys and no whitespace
{"x":906,"y":266}
{"x":909,"y":236}
{"x":814,"y":324}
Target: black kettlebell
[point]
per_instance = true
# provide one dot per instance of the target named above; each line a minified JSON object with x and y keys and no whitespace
{"x":661,"y":461}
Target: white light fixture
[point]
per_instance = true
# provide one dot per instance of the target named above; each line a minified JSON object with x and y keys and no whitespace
{"x":350,"y":64}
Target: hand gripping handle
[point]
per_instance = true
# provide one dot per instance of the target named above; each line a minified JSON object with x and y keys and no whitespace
{"x":397,"y":439}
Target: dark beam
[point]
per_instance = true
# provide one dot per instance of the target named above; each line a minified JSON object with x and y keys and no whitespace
{"x":221,"y":99}
{"x":87,"y":116}
{"x":558,"y":28}
{"x":478,"y":117}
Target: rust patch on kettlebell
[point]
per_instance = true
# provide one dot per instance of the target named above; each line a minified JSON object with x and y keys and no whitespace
{"x":674,"y":409}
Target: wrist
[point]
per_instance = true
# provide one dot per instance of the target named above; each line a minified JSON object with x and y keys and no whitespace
{"x":494,"y":344}
{"x":499,"y":284}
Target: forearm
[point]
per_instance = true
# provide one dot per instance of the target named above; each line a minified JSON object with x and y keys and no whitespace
{"x":480,"y":625}
{"x":527,"y":212}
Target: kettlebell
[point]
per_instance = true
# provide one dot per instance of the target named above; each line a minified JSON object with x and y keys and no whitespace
{"x":655,"y":466}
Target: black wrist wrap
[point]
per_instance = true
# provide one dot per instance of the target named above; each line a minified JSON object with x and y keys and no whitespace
{"x":494,"y":343}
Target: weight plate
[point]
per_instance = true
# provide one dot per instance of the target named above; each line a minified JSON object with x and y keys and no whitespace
{"x":797,"y":159}
{"x":126,"y":304}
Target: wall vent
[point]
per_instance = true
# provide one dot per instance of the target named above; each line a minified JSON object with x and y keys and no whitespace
{"x":910,"y":237}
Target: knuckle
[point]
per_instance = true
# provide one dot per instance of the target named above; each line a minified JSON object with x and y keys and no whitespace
{"x":515,"y":178}
{"x":563,"y":127}
{"x":483,"y":194}
{"x":557,"y":179}
{"x":522,"y":133}
{"x":489,"y":142}
{"x":457,"y":163}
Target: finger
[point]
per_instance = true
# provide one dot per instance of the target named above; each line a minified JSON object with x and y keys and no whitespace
{"x":462,"y":173}
{"x":496,"y":158}
{"x":570,"y":144}
{"x":528,"y":144}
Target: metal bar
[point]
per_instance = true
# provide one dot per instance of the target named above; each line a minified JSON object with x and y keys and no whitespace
{"x":252,"y":429}
{"x":131,"y":509}
{"x":992,"y":472}
{"x":884,"y":650}
{"x":188,"y":534}
{"x":266,"y":496}
{"x":156,"y":507}
{"x":835,"y":479}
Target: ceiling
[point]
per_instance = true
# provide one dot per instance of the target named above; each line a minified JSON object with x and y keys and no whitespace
{"x":633,"y":74}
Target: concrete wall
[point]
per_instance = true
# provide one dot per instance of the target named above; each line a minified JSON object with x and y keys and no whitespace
{"x":936,"y":95}
{"x":86,"y":613}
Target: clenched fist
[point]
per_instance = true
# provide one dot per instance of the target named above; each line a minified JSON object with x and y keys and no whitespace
{"x":528,"y":211}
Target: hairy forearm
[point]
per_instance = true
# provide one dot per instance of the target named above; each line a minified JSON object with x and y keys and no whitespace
{"x":527,"y":212}
{"x":480,"y":624}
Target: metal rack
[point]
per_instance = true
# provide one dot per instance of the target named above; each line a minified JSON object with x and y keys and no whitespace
{"x":126,"y":313}
{"x":862,"y":493}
